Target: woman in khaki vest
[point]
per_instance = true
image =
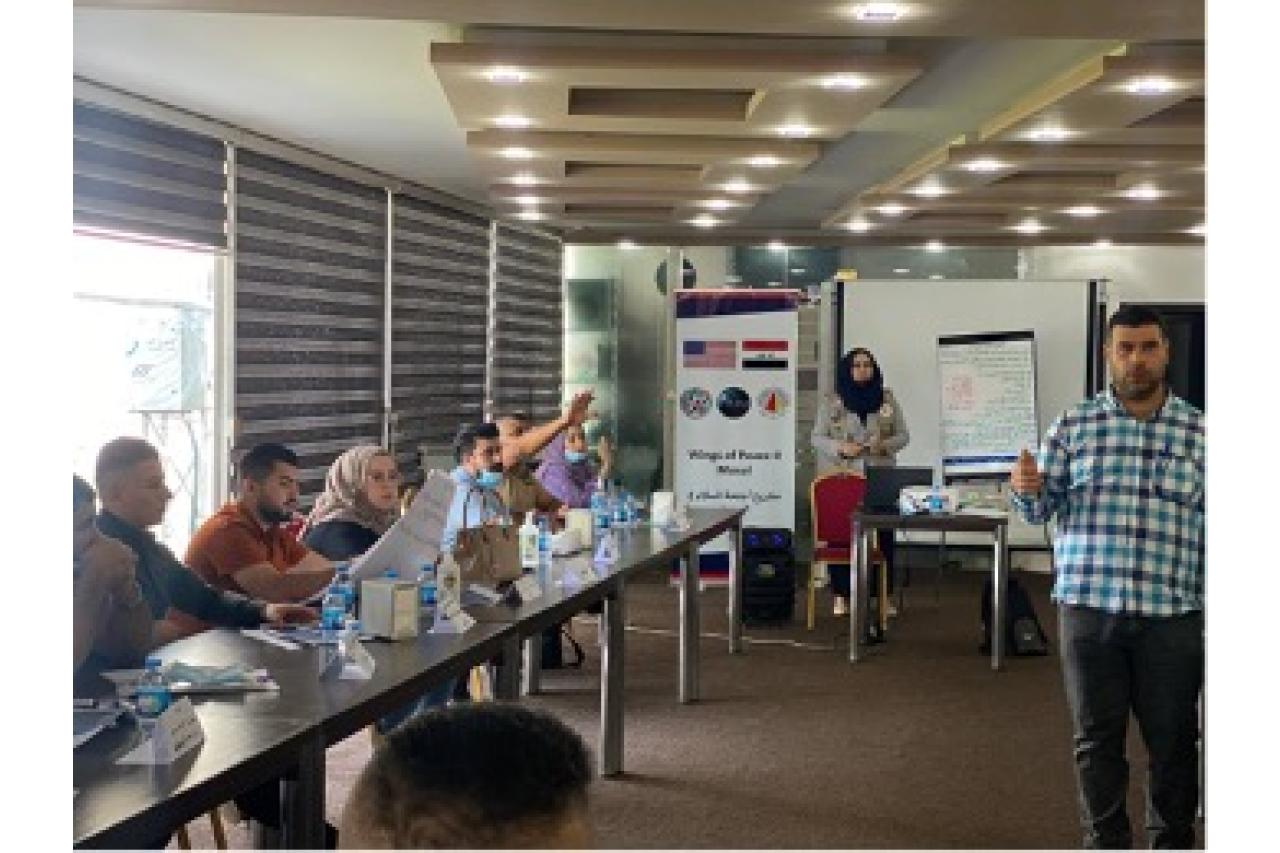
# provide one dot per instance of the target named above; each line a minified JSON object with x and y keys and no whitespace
{"x":860,"y":424}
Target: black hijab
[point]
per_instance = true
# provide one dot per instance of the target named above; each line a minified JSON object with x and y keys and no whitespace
{"x":861,"y":399}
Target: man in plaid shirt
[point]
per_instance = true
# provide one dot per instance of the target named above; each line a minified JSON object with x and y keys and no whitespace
{"x":1124,"y":474}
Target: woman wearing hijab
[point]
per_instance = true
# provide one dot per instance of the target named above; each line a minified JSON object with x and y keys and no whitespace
{"x":566,"y":471}
{"x":860,"y":424}
{"x":361,"y":501}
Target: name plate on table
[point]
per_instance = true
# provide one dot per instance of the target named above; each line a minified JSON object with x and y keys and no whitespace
{"x":452,"y":619}
{"x":175,"y":733}
{"x":529,"y":588}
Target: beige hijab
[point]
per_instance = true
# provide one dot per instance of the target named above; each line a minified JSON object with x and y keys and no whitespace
{"x":344,"y":498}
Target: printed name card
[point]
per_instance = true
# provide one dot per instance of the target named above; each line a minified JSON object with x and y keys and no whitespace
{"x":529,"y":588}
{"x":175,"y":733}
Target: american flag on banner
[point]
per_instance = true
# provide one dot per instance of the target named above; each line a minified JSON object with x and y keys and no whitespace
{"x":711,"y":354}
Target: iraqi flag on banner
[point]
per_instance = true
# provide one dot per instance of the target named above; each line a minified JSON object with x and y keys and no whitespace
{"x":765,"y":354}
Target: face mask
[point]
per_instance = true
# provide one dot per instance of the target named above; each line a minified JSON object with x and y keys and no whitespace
{"x":489,"y":479}
{"x":574,"y":456}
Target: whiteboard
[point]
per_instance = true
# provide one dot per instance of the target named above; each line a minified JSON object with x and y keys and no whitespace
{"x":900,"y":321}
{"x":987,"y":385}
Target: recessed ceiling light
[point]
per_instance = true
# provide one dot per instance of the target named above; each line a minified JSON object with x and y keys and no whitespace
{"x":878,"y":13}
{"x":795,"y":130}
{"x":765,"y":161}
{"x":737,"y":185}
{"x":528,"y":199}
{"x":901,"y":270}
{"x":531,"y":215}
{"x":859,"y":226}
{"x":796,"y":270}
{"x":1150,"y":86}
{"x":844,"y":82}
{"x":525,"y":180}
{"x":515,"y":153}
{"x":1048,"y":133}
{"x":1030,"y":226}
{"x":929,"y":189}
{"x":1144,"y":192}
{"x":984,"y":164}
{"x":506,"y":74}
{"x":891,"y":209}
{"x":1102,"y":243}
{"x":718,"y":203}
{"x":627,"y":245}
{"x":935,"y":277}
{"x":1083,"y":211}
{"x":777,"y":246}
{"x":935,"y":246}
{"x":705,"y":221}
{"x":1196,"y":230}
{"x":513,"y":122}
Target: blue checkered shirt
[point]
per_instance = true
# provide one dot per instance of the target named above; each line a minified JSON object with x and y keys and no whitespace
{"x":1129,"y":498}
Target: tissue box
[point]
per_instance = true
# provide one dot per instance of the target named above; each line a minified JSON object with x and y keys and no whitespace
{"x":389,"y":608}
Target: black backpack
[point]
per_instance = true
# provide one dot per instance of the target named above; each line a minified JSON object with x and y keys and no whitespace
{"x":1022,"y":631}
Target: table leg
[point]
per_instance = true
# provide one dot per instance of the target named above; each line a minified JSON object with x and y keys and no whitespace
{"x":611,"y":683}
{"x":857,"y":590}
{"x":999,"y":585}
{"x":508,"y":687}
{"x":302,"y":824}
{"x":687,"y":689}
{"x":531,"y":672}
{"x":736,"y":574}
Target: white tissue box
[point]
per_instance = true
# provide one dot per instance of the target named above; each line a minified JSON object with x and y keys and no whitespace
{"x":389,"y":608}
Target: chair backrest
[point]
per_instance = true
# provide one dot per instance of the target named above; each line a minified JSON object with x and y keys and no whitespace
{"x":834,"y":497}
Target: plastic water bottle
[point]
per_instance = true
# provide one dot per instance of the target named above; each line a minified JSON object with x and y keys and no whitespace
{"x":333,"y":610}
{"x":601,"y":517}
{"x":544,"y":551}
{"x":153,"y":696}
{"x":427,"y":585}
{"x":619,"y":504}
{"x":342,"y":583}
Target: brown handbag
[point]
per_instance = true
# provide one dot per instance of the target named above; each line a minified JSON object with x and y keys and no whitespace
{"x":488,"y":554}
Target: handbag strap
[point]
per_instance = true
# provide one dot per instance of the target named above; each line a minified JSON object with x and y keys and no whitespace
{"x":472,"y":489}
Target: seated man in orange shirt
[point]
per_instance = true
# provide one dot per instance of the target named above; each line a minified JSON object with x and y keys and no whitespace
{"x":244,"y":548}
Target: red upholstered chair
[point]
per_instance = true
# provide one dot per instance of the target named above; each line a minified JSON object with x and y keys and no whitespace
{"x":833,"y":498}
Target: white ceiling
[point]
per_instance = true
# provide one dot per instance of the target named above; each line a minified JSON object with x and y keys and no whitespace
{"x":360,"y":90}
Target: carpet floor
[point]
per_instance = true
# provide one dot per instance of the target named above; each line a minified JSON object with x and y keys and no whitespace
{"x":920,"y":745}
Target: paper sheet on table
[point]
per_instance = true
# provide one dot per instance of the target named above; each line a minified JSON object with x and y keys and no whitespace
{"x":414,"y":539}
{"x":87,"y":722}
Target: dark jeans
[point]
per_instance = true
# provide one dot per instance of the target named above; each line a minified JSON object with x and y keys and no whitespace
{"x":1154,"y":667}
{"x":839,"y":572}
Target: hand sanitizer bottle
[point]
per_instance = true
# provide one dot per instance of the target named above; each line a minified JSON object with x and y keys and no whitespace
{"x":528,"y":544}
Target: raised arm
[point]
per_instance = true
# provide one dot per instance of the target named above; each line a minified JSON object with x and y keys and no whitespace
{"x":538,"y":437}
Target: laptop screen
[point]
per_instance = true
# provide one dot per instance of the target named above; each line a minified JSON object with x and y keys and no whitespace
{"x":886,"y":482}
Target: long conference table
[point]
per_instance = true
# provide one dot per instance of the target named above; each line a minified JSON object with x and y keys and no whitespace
{"x":255,"y":737}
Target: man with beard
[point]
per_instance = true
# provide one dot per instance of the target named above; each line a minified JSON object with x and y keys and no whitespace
{"x":243,"y":546}
{"x":1124,"y":474}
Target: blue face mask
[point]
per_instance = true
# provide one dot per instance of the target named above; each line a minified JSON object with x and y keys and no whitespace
{"x":573,"y":457}
{"x":489,"y":479}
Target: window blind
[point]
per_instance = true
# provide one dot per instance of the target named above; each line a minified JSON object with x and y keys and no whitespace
{"x":527,"y":341}
{"x":439,"y":303}
{"x":309,"y":306}
{"x":140,"y":177}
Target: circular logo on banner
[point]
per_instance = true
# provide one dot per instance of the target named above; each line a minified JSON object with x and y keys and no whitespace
{"x":695,"y":402}
{"x":773,"y":402}
{"x":733,"y":402}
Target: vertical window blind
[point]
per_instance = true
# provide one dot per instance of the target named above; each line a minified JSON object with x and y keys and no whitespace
{"x":309,"y":303}
{"x":527,"y":344}
{"x":139,"y":177}
{"x":439,"y":308}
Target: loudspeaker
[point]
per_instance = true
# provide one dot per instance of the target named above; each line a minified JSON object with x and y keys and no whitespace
{"x":768,"y":575}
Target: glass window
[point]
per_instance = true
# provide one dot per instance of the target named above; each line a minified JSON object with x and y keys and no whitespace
{"x":144,"y":317}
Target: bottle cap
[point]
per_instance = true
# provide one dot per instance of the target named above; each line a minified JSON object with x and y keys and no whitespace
{"x":391,"y":573}
{"x":153,"y":662}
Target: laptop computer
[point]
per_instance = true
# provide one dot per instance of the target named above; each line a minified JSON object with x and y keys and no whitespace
{"x":886,"y":482}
